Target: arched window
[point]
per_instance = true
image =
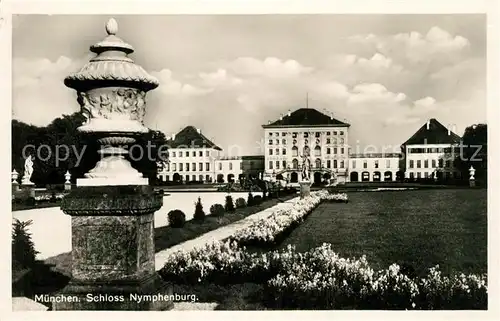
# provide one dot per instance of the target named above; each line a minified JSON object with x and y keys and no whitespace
{"x":295,"y":163}
{"x":307,"y":151}
{"x":295,"y":151}
{"x":318,"y":163}
{"x":317,"y":151}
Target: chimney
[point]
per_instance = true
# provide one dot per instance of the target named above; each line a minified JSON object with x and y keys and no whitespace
{"x":269,"y":122}
{"x":428,"y":123}
{"x":331,"y":115}
{"x":173,"y":136}
{"x":199,"y":130}
{"x":281,"y":116}
{"x":289,"y":112}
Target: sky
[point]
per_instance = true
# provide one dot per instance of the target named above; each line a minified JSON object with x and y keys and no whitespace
{"x":386,"y":75}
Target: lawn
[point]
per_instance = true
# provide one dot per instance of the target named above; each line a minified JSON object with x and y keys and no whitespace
{"x":416,"y":229}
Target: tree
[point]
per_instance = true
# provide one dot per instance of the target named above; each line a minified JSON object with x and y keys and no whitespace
{"x":474,"y":152}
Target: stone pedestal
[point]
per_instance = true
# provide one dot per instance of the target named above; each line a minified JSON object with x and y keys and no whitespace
{"x":305,"y":189}
{"x":113,"y":249}
{"x":472,"y":183}
{"x":15,"y":187}
{"x":67,"y":186}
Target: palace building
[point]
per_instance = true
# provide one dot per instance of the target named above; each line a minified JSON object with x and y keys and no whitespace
{"x":310,"y":133}
{"x":430,"y":152}
{"x":375,"y":167}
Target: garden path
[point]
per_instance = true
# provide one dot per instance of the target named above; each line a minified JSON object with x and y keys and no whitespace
{"x":218,"y":234}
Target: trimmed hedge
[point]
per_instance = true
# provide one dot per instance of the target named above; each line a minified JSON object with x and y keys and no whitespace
{"x":176,"y":218}
{"x":240,"y":202}
{"x":217,"y":210}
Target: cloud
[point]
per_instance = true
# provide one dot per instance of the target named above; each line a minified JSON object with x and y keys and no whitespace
{"x":170,"y":86}
{"x":373,"y":94}
{"x":270,"y":67}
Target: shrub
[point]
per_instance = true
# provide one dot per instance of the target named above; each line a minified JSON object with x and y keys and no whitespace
{"x":199,"y":214}
{"x":257,"y":199}
{"x":250,"y":199}
{"x":229,"y":206}
{"x":217,"y":210}
{"x":176,"y":218}
{"x":240,"y":202}
{"x":23,"y":248}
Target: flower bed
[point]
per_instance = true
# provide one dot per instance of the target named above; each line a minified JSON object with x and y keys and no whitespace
{"x":320,"y":279}
{"x":270,"y":230}
{"x":336,"y":198}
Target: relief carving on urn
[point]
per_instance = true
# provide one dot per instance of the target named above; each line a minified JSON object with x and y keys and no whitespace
{"x":123,"y":103}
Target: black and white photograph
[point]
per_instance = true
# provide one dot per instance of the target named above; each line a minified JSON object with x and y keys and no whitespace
{"x":249,"y":162}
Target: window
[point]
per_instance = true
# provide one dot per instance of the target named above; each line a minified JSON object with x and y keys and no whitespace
{"x":270,"y":134}
{"x":328,"y":164}
{"x":334,"y":163}
{"x":187,"y":178}
{"x":283,"y":141}
{"x":412,"y":175}
{"x":412,"y":165}
{"x":181,"y":167}
{"x":294,"y":135}
{"x":353,"y":164}
{"x":241,"y":165}
{"x":270,"y":151}
{"x":187,"y":153}
{"x":220,"y":166}
{"x":167,"y":177}
{"x":334,"y":132}
{"x":306,"y":135}
{"x":180,"y":154}
{"x":201,"y":178}
{"x":441,"y":163}
{"x":207,"y":167}
{"x":200,"y":154}
{"x":448,"y":163}
{"x":207,"y":153}
{"x":318,"y":163}
{"x":207,"y":178}
{"x":341,"y":164}
{"x":318,"y":134}
{"x":342,"y":151}
{"x":283,"y":152}
{"x":341,"y":132}
{"x":277,"y":151}
{"x":193,"y":177}
{"x":327,"y":133}
{"x":388,"y":163}
{"x":419,"y":163}
{"x":335,"y":150}
{"x":376,"y":163}
{"x":426,"y":163}
{"x":174,"y":167}
{"x":200,"y":166}
{"x":187,"y":167}
{"x":426,"y":175}
{"x":276,"y":134}
{"x":328,"y":141}
{"x":365,"y":164}
{"x":194,"y":167}
{"x":328,"y":150}
{"x":283,"y":134}
{"x":433,"y":163}
{"x":173,"y":154}
{"x":270,"y":142}
{"x":284,"y":163}
{"x":342,"y":141}
{"x":270,"y":165}
{"x":277,"y":164}
{"x":230,"y":166}
{"x":277,"y":141}
{"x":317,"y":151}
{"x":419,"y":175}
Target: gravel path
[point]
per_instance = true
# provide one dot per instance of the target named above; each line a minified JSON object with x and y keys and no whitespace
{"x":218,"y":234}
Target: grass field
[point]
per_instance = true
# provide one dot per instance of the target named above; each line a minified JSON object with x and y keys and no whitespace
{"x":416,"y":229}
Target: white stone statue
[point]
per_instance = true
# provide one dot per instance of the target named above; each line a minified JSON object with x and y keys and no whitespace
{"x":14,"y":176}
{"x":472,"y":172}
{"x":306,"y":165}
{"x":67,"y":176}
{"x":28,"y":170}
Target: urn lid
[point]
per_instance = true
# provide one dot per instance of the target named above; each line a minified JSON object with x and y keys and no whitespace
{"x":111,"y":66}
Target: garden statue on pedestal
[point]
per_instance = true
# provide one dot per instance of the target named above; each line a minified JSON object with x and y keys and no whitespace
{"x":28,"y":171}
{"x":305,"y":182}
{"x":67,"y":183}
{"x":15,"y":184}
{"x":472,"y":179}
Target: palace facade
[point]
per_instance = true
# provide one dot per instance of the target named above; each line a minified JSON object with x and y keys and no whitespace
{"x":309,"y":133}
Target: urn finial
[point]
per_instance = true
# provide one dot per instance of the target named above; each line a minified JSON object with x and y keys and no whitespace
{"x":112,"y":27}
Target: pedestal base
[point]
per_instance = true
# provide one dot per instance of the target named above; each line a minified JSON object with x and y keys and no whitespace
{"x":15,"y":187}
{"x":152,"y":294}
{"x":305,"y":189}
{"x":67,"y":186}
{"x":472,"y":183}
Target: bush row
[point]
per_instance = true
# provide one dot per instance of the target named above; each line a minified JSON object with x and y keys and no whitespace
{"x":177,"y":218}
